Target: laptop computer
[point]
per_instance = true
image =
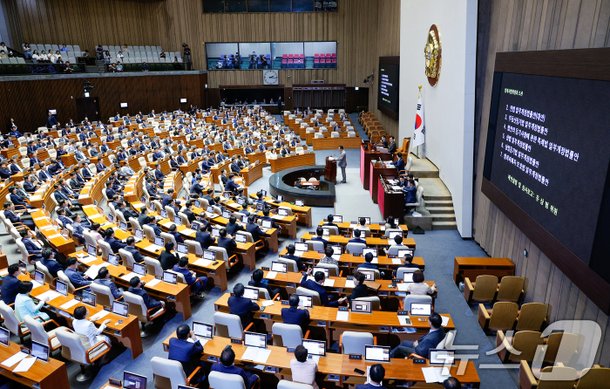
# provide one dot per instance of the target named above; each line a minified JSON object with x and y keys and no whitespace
{"x":369,"y":250}
{"x":338,"y":218}
{"x":119,"y":308}
{"x":421,"y":309}
{"x":240,"y":238}
{"x":377,"y":353}
{"x":407,"y":277}
{"x":113,"y":259}
{"x":88,"y":298}
{"x":300,"y":248}
{"x":362,"y":306}
{"x":226,"y":214}
{"x":138,"y":235}
{"x":182,"y":249}
{"x":299,"y":203}
{"x":267,"y":224}
{"x":164,"y":213}
{"x":203,"y":331}
{"x":170,"y":277}
{"x":282,"y":212}
{"x":5,"y":336}
{"x":336,"y":250}
{"x":279,"y":267}
{"x":251,"y":293}
{"x":209,"y":255}
{"x":40,"y":351}
{"x":133,"y":381}
{"x":254,"y":339}
{"x":305,"y":301}
{"x":315,"y":348}
{"x":139,"y":269}
{"x":368,"y":273}
{"x":123,"y":226}
{"x":195,"y":226}
{"x":322,"y":269}
{"x":91,"y":250}
{"x":177,"y":221}
{"x":215,"y":232}
{"x":279,"y":198}
{"x":159,"y":241}
{"x":402,"y":252}
{"x":393,"y":234}
{"x":110,"y":218}
{"x":61,"y":287}
{"x":39,"y":277}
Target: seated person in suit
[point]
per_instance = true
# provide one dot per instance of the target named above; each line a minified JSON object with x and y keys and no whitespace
{"x":231,"y":185}
{"x":410,"y":191}
{"x":357,"y":238}
{"x":197,"y":284}
{"x":303,"y":369}
{"x":294,"y":315}
{"x":25,"y":306}
{"x":10,"y":284}
{"x":329,"y":221}
{"x":131,"y":247}
{"x":362,"y":226}
{"x":204,"y":237}
{"x":48,"y":260}
{"x":360,"y":290}
{"x":114,"y":243}
{"x":143,"y":218}
{"x":290,"y":250}
{"x":368,"y":262}
{"x":167,"y":198}
{"x":400,"y":163}
{"x":232,"y":227}
{"x":173,"y":230}
{"x":77,"y":278}
{"x":409,"y":261}
{"x":167,"y":258}
{"x":136,"y":287}
{"x":103,"y":278}
{"x":227,"y":358}
{"x":423,"y":345}
{"x":32,"y":245}
{"x":317,"y":286}
{"x":376,"y":375}
{"x":418,"y":286}
{"x":397,"y":244}
{"x":186,"y":349}
{"x":257,"y":281}
{"x":241,"y":306}
{"x":254,"y":228}
{"x":11,"y":214}
{"x":226,"y":242}
{"x":319,"y":236}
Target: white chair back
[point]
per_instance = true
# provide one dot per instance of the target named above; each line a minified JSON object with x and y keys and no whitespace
{"x":127,"y":258}
{"x":355,"y":248}
{"x":316,"y":245}
{"x":290,"y":335}
{"x":315,"y":296}
{"x":167,"y":372}
{"x":420,"y":299}
{"x":227,"y":324}
{"x":105,"y":247}
{"x":220,"y":380}
{"x":291,"y":264}
{"x":153,"y":266}
{"x":10,"y":319}
{"x":167,"y":237}
{"x":103,"y":294}
{"x":284,"y":384}
{"x":194,"y":247}
{"x":354,"y":342}
{"x":400,"y":272}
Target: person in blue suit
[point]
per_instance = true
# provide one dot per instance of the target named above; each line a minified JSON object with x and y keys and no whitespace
{"x":197,"y":284}
{"x":131,"y":247}
{"x":357,"y":238}
{"x":258,"y":281}
{"x":227,"y":358}
{"x":188,"y":353}
{"x":229,"y":244}
{"x":400,"y":163}
{"x":31,"y":245}
{"x":48,"y":260}
{"x":254,"y":228}
{"x":368,"y":264}
{"x":294,"y":315}
{"x":204,"y":237}
{"x":241,"y":306}
{"x":103,"y":278}
{"x":423,"y":345}
{"x":317,"y":286}
{"x":10,"y":284}
{"x":114,"y":243}
{"x":319,"y":236}
{"x":290,"y":250}
{"x":77,"y":278}
{"x":376,"y":375}
{"x":136,"y":287}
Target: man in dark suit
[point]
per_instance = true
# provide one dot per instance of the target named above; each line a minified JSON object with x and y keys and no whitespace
{"x":258,"y":281}
{"x":254,"y":229}
{"x":400,"y":163}
{"x":376,"y":375}
{"x":30,"y":185}
{"x":368,"y":262}
{"x":241,"y":306}
{"x":10,"y":284}
{"x":290,"y":250}
{"x":188,"y":353}
{"x":360,"y":290}
{"x":227,"y":358}
{"x":329,"y":221}
{"x":317,"y":286}
{"x":232,"y":227}
{"x":9,"y":213}
{"x":226,"y":242}
{"x":423,"y":345}
{"x":136,"y":288}
{"x":319,"y":236}
{"x":342,"y":162}
{"x":32,"y":245}
{"x":166,"y":258}
{"x":143,"y":218}
{"x":114,"y":243}
{"x":166,"y":199}
{"x":131,"y":247}
{"x":77,"y":278}
{"x":231,"y":186}
{"x":197,"y":284}
{"x":294,"y":315}
{"x":357,"y":238}
{"x":392,"y":145}
{"x":204,"y":237}
{"x":48,"y":260}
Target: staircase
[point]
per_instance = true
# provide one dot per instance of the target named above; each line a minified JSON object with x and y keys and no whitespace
{"x":441,"y":210}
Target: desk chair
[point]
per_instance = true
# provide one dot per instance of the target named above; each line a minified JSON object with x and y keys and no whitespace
{"x":71,"y":288}
{"x":167,"y":237}
{"x":258,"y":245}
{"x":48,"y":277}
{"x":103,"y":295}
{"x":315,"y":296}
{"x":315,"y":245}
{"x":570,"y":343}
{"x":25,"y":256}
{"x":105,"y":248}
{"x":355,"y":248}
{"x":194,"y":247}
{"x":220,"y":380}
{"x":157,"y":206}
{"x":287,"y":335}
{"x":393,"y":249}
{"x":483,"y":290}
{"x":400,"y":272}
{"x":374,"y":300}
{"x":89,"y":239}
{"x":153,"y":266}
{"x":419,"y":198}
{"x":171,"y":213}
{"x":120,"y":216}
{"x":221,"y":254}
{"x":73,"y":349}
{"x":511,"y":288}
{"x":40,"y":335}
{"x":354,"y":342}
{"x":139,"y":309}
{"x":532,"y":316}
{"x":149,"y":233}
{"x":229,"y":325}
{"x":184,"y":219}
{"x":527,"y":380}
{"x":284,"y":384}
{"x":135,"y":224}
{"x":595,"y":377}
{"x":388,"y":231}
{"x":525,"y":341}
{"x":333,"y":270}
{"x":291,"y":264}
{"x":411,"y":298}
{"x":501,"y":317}
{"x":168,"y":374}
{"x":12,"y":323}
{"x":127,"y":258}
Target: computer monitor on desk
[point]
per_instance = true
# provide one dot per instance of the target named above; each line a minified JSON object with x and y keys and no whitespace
{"x":209,"y":255}
{"x":421,"y":309}
{"x":254,"y":339}
{"x":40,"y":351}
{"x":338,"y":218}
{"x":61,"y":287}
{"x":133,"y":381}
{"x":5,"y":336}
{"x":159,"y":241}
{"x":251,"y":293}
{"x":119,"y":308}
{"x":279,"y":267}
{"x":377,"y":353}
{"x":305,"y":301}
{"x":315,"y":347}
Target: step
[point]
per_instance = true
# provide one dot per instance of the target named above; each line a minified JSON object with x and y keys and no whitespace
{"x":429,"y":197}
{"x":438,"y":203}
{"x":444,"y":226}
{"x":443,"y":217}
{"x":446,"y":209}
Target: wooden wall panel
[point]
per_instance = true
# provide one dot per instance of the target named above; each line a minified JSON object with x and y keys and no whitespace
{"x":387,"y":44}
{"x":28,"y":101}
{"x":517,"y":25}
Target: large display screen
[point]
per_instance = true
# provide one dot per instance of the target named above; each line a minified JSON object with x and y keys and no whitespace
{"x":547,"y":163}
{"x":271,"y":55}
{"x":387,"y":86}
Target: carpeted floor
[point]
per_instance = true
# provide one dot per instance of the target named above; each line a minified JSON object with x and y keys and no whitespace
{"x":437,"y":247}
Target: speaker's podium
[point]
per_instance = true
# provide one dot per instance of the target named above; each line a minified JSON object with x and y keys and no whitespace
{"x":330,"y":171}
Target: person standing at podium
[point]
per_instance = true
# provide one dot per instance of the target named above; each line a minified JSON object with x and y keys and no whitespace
{"x":342,"y":162}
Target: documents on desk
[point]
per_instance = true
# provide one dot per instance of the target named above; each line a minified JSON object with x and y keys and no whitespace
{"x":25,"y":365}
{"x":69,"y":304}
{"x":271,"y":274}
{"x":101,"y":314}
{"x":153,"y":248}
{"x":342,"y":316}
{"x":127,"y":277}
{"x":350,"y":284}
{"x":48,"y":295}
{"x":94,"y":270}
{"x":86,"y":258}
{"x":435,"y":374}
{"x":152,"y":282}
{"x":267,"y":303}
{"x":203,"y":262}
{"x":14,"y":359}
{"x":402,"y":286}
{"x":188,"y":231}
{"x":256,"y":354}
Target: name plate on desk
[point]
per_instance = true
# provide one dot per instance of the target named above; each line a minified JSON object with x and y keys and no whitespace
{"x":236,"y":341}
{"x":357,"y":357}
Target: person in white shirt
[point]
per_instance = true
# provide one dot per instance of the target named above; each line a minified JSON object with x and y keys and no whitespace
{"x":25,"y":306}
{"x":303,"y":369}
{"x":87,"y":330}
{"x":418,"y":286}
